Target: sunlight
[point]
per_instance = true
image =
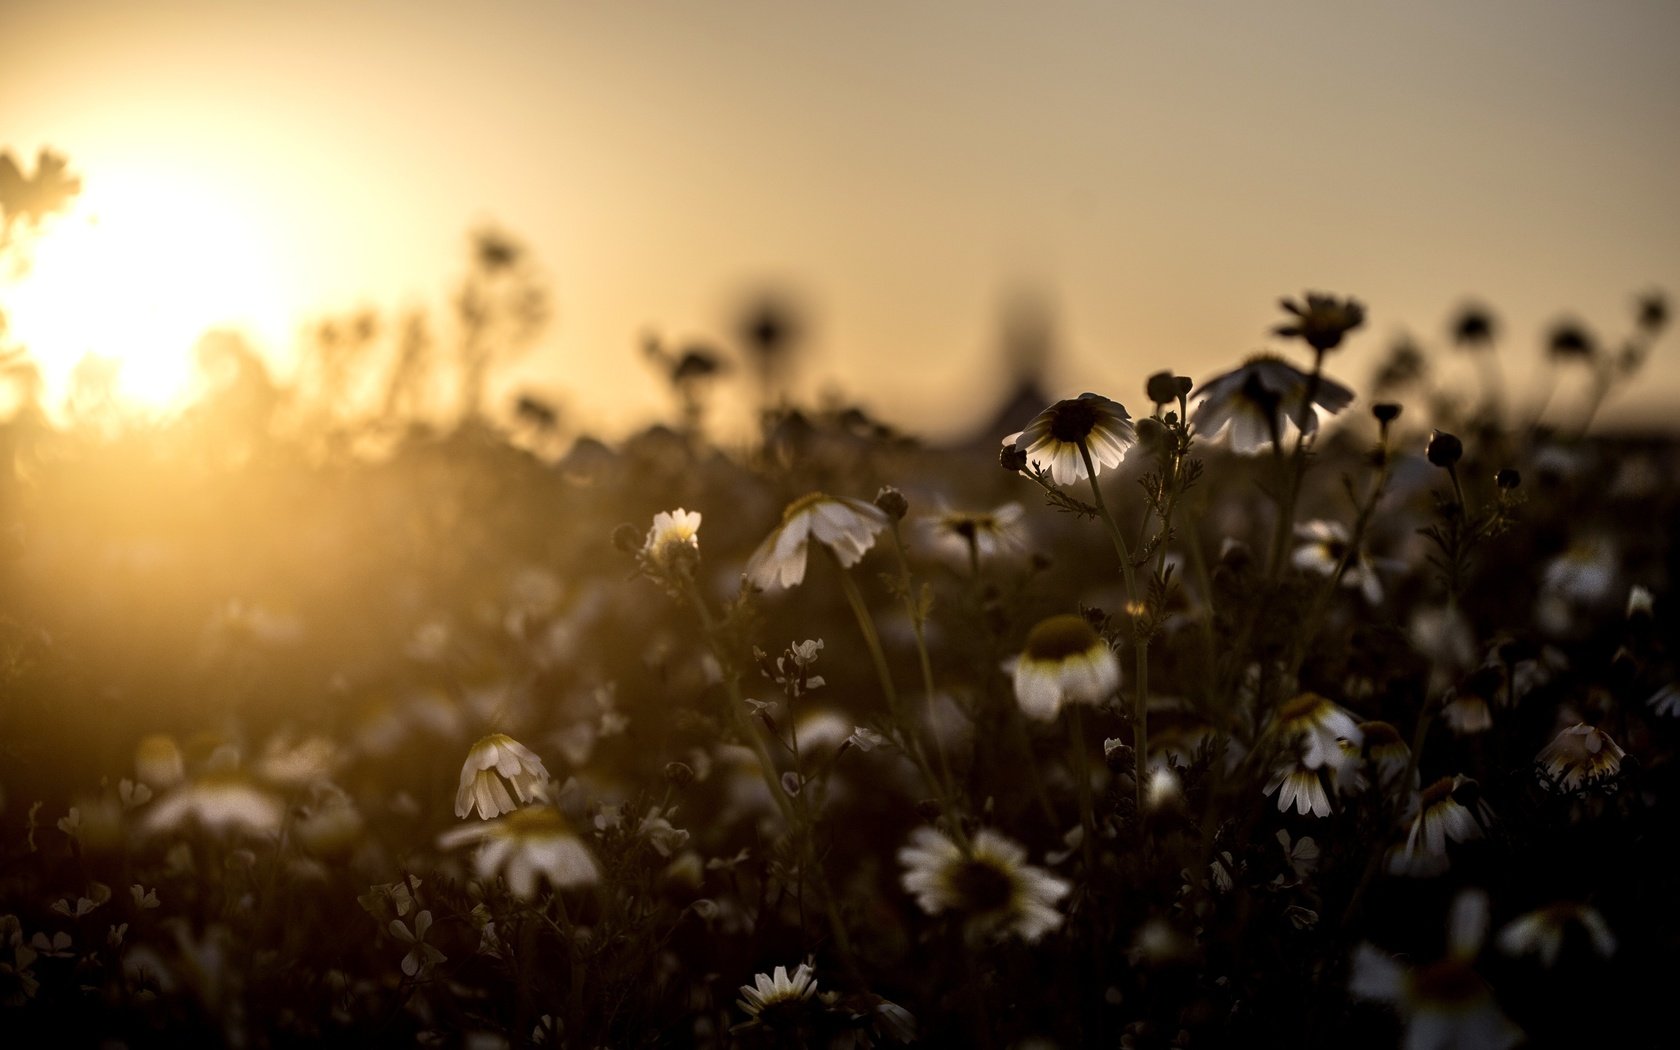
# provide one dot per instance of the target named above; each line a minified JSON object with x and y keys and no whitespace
{"x":133,"y":275}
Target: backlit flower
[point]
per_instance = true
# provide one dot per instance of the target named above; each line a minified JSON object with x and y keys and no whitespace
{"x":1064,"y":662}
{"x":222,"y":801}
{"x":1258,"y":401}
{"x":1580,"y":755}
{"x":847,"y":527}
{"x":1541,"y":932}
{"x":524,"y":844}
{"x":158,"y":762}
{"x":960,"y":535}
{"x":991,"y":887}
{"x":1323,"y":545}
{"x":1299,"y":786}
{"x":779,"y":1002}
{"x":1052,"y":440}
{"x":673,"y":533}
{"x":1445,"y":1004}
{"x":1315,"y":724}
{"x":491,"y":761}
{"x":1449,"y":810}
{"x":1322,"y":320}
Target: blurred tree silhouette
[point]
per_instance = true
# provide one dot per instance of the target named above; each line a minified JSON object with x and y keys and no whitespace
{"x":30,"y":199}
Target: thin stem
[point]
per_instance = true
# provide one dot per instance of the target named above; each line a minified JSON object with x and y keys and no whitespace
{"x":1140,"y":644}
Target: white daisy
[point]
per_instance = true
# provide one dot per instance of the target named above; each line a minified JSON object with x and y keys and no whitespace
{"x":1323,"y":545}
{"x":1258,"y":401}
{"x":524,"y":844}
{"x":1301,"y":787}
{"x":959,"y":536}
{"x":847,"y":527}
{"x":1541,"y":932}
{"x":222,"y":801}
{"x":992,"y":888}
{"x":1666,"y":701}
{"x":1065,"y":661}
{"x":1441,"y":817}
{"x":673,"y":533}
{"x":1052,"y":440}
{"x":1445,"y":1004}
{"x":1315,"y":724}
{"x":1580,"y":755}
{"x":779,"y":1002}
{"x":489,"y":761}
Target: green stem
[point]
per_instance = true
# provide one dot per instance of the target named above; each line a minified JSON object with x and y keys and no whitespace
{"x":1140,"y":644}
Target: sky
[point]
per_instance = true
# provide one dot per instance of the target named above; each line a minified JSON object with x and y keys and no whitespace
{"x":1160,"y":174}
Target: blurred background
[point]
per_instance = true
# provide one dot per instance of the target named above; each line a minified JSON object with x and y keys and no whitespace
{"x":1125,"y":187}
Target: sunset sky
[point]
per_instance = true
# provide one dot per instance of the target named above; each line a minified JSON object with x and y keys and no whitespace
{"x":1161,"y":172}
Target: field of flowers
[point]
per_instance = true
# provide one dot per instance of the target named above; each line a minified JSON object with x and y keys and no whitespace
{"x":1250,"y":709}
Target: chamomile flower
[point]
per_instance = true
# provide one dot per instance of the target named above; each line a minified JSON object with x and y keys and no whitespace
{"x":1541,"y":932}
{"x":1665,"y":701}
{"x":990,"y":888}
{"x":1257,"y":402}
{"x":673,"y":534}
{"x":960,"y":536}
{"x":848,"y":527}
{"x":1387,"y":753}
{"x":1323,"y":544}
{"x":779,"y":1002}
{"x":1322,"y":320}
{"x":158,"y":761}
{"x":1064,"y":662}
{"x":1052,"y":440}
{"x":1441,"y":818}
{"x":1300,"y":786}
{"x":1446,"y":1003}
{"x":1580,"y":755}
{"x":527,"y":843}
{"x":222,"y":801}
{"x":495,"y":763}
{"x":1315,"y":724}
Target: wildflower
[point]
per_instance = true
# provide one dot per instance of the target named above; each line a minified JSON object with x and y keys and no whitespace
{"x":223,"y":801}
{"x":524,"y":844}
{"x":421,"y":956}
{"x":964,"y":535}
{"x":1257,"y":401}
{"x":1541,"y":932}
{"x":1441,"y":817}
{"x":990,"y":887}
{"x":1064,"y":662}
{"x":1322,"y":321}
{"x":1315,"y":724}
{"x":847,"y":527}
{"x":1584,"y":574}
{"x":1467,"y":712}
{"x":1325,"y":544}
{"x":1387,"y":752}
{"x":1444,"y":450}
{"x":1445,"y":1003}
{"x":1567,"y":341}
{"x":1475,"y":327}
{"x":158,"y":762}
{"x":1052,"y":441}
{"x":1579,"y":756}
{"x":1302,"y":787}
{"x":1666,"y":701}
{"x":673,"y":535}
{"x":778,"y":1002}
{"x":489,"y":761}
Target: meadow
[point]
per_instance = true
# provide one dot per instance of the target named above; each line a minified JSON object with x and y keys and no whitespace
{"x":1267,"y":708}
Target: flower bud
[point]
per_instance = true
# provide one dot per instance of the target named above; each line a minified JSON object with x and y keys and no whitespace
{"x":627,"y":539}
{"x":679,"y":774}
{"x":1385,"y":411}
{"x":1013,"y":458}
{"x":1161,"y":388}
{"x":1507,"y":478}
{"x":1444,"y":449}
{"x":892,"y":503}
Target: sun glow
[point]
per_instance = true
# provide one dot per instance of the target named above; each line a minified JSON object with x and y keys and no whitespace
{"x":125,"y":284}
